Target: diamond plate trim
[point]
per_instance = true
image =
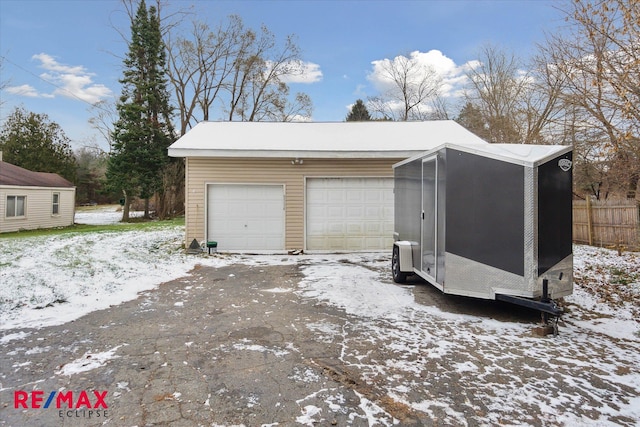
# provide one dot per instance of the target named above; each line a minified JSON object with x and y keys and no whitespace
{"x":530,"y":224}
{"x":471,"y":278}
{"x":558,"y":287}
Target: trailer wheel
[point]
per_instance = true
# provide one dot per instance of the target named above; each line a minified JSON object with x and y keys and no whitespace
{"x":398,"y":276}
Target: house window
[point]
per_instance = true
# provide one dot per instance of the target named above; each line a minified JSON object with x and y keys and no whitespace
{"x":55,"y":210}
{"x":15,"y":206}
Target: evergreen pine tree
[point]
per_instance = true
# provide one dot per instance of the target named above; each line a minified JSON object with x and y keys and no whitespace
{"x":32,"y":141}
{"x":143,"y":130}
{"x":358,"y":113}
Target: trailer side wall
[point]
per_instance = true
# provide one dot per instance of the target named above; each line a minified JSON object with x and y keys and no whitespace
{"x":485,"y":211}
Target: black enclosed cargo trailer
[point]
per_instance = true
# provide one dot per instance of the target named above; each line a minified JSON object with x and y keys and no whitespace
{"x":490,"y":221}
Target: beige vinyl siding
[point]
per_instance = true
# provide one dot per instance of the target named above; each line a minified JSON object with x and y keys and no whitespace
{"x":203,"y":171}
{"x":38,"y":208}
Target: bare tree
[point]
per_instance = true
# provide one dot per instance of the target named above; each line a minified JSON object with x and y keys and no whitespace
{"x":291,"y":110}
{"x":240,"y":71}
{"x":199,"y":67}
{"x":598,"y":60}
{"x":410,"y":86}
{"x":496,"y":86}
{"x":439,"y":108}
{"x":513,"y":101}
{"x":104,"y":117}
{"x":541,"y":106}
{"x":258,"y":89}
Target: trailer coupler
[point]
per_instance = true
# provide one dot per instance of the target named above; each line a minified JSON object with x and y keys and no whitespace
{"x":546,"y":306}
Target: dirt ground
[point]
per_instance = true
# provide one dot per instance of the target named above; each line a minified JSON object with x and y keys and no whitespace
{"x":239,"y":346}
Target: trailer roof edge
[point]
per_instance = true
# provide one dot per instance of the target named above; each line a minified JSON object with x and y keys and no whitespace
{"x":521,"y":154}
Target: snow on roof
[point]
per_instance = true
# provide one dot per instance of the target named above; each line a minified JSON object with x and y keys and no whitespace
{"x":528,"y":153}
{"x":319,"y":139}
{"x":522,"y":154}
{"x":15,"y":175}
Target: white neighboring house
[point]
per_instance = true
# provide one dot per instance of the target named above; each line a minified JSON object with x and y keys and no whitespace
{"x":31,"y":200}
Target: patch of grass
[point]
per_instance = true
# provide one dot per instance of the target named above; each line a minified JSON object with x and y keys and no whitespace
{"x":137,"y":224}
{"x":623,"y":277}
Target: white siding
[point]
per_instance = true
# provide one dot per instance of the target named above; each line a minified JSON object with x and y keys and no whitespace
{"x":38,"y":208}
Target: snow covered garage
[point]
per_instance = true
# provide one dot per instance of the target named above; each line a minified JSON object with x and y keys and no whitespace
{"x":266,"y":186}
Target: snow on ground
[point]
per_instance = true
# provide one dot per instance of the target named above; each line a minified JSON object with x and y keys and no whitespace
{"x":51,"y":280}
{"x":88,"y":362}
{"x":103,"y":215}
{"x":470,"y":360}
{"x":496,"y":370}
{"x":54,"y":279}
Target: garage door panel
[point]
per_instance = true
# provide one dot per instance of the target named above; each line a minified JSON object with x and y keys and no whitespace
{"x":335,"y":228}
{"x":317,"y":211}
{"x":354,"y":196}
{"x":356,"y":212}
{"x":372,"y":196}
{"x":236,"y":211}
{"x":374,"y":212}
{"x":349,"y":214}
{"x":355,"y":229}
{"x":330,"y":213}
{"x":335,"y":198}
{"x":374,"y":229}
{"x":270,"y":210}
{"x":246,"y":217}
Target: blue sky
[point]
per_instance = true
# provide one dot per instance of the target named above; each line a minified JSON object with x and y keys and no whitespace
{"x":59,"y":56}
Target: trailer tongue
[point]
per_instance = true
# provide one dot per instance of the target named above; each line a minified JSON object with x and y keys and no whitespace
{"x":490,"y":221}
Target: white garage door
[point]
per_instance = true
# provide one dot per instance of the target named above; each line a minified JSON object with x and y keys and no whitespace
{"x":349,"y":214}
{"x":246,"y":217}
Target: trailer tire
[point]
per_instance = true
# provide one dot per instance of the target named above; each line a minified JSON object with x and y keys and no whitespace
{"x":398,"y":276}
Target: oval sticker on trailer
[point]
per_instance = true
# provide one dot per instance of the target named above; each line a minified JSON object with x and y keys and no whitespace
{"x":565,"y":164}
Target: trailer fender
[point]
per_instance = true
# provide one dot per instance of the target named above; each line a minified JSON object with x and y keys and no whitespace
{"x":399,"y":276}
{"x":405,"y":253}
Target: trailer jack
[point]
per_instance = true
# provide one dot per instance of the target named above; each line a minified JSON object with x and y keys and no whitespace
{"x":548,"y":309}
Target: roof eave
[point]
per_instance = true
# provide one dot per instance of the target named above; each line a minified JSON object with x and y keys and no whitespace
{"x":300,"y":154}
{"x":36,"y":187}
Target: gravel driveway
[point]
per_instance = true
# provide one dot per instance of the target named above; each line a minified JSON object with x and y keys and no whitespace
{"x":303,"y":344}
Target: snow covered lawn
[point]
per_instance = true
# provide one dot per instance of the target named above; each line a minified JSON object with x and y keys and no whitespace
{"x":52,"y":280}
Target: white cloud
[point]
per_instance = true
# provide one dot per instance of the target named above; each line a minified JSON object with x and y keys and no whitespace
{"x":23,"y":90}
{"x":302,"y":72}
{"x":48,"y":62}
{"x":360,"y":91}
{"x":437,"y":60}
{"x":71,"y":81}
{"x":301,"y":118}
{"x":471,"y":65}
{"x":452,"y":76}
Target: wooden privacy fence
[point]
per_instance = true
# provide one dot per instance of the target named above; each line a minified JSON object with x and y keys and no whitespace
{"x":607,"y":223}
